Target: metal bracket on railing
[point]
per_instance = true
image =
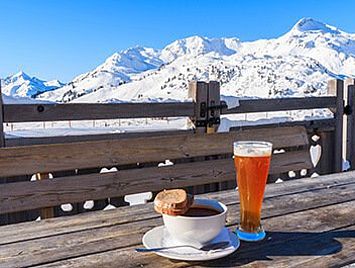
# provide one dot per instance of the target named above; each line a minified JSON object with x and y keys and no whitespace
{"x":348,"y":110}
{"x":221,"y":106}
{"x":203,"y":109}
{"x":215,"y":120}
{"x":203,"y":114}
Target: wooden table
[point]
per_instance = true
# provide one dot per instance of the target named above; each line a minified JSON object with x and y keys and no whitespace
{"x":310,"y":223}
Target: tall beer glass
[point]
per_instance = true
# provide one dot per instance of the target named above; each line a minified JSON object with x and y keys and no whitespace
{"x":252,"y":161}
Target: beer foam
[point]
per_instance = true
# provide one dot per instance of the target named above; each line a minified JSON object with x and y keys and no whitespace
{"x":252,"y":149}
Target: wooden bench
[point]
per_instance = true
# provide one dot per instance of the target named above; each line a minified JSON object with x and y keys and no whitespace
{"x":198,"y":159}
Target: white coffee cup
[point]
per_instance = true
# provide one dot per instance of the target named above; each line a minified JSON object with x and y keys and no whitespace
{"x":197,"y":230}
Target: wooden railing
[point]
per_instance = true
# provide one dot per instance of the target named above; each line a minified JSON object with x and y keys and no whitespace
{"x":201,"y":160}
{"x":137,"y":162}
{"x":90,"y":111}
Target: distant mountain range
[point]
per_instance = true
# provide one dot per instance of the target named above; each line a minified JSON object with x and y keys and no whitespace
{"x":22,"y":85}
{"x":298,"y":63}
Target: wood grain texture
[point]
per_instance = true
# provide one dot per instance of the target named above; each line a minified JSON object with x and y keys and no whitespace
{"x":25,"y":141}
{"x":2,"y":135}
{"x":339,"y":244}
{"x":214,"y":99}
{"x":4,"y":219}
{"x":90,"y":111}
{"x":350,"y":123}
{"x":313,"y":215}
{"x":326,"y":163}
{"x":320,"y":125}
{"x":341,"y":185}
{"x":27,"y":195}
{"x":47,"y":211}
{"x":336,"y":87}
{"x":284,"y":104}
{"x":46,"y":193}
{"x":198,"y":92}
{"x":48,"y":158}
{"x":307,"y":247}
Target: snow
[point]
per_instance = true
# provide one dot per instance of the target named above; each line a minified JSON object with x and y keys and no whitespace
{"x":309,"y":24}
{"x":20,"y":100}
{"x":54,"y":83}
{"x":231,"y":101}
{"x":90,"y":127}
{"x":196,"y":45}
{"x":22,"y":85}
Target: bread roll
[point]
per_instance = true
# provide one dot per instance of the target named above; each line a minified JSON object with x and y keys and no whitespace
{"x":172,"y":202}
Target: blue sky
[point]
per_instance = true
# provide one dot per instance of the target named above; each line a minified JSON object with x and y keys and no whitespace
{"x":60,"y":39}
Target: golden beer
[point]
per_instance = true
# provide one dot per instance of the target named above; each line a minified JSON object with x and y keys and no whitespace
{"x":252,"y":162}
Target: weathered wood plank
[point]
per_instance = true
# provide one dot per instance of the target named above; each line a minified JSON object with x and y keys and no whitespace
{"x":46,"y":193}
{"x":326,"y":162}
{"x":2,"y":135}
{"x":57,"y":157}
{"x":350,"y":129}
{"x":25,"y":141}
{"x":329,"y":249}
{"x":47,"y":211}
{"x":284,"y":104}
{"x":79,"y":111}
{"x":288,"y":161}
{"x":27,"y":195}
{"x":115,"y":246}
{"x":339,"y":246}
{"x":341,"y":186}
{"x":213,"y":121}
{"x":3,"y":218}
{"x":336,"y":87}
{"x":327,"y":124}
{"x":214,"y":99}
{"x":198,"y":92}
{"x":296,"y":248}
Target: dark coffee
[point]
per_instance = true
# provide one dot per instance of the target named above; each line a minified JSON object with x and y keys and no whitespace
{"x":201,"y":212}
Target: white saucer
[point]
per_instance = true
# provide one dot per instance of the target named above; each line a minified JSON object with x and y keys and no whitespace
{"x":159,"y":237}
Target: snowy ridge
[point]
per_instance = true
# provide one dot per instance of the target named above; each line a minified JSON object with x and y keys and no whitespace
{"x":196,"y":45}
{"x":309,"y":24}
{"x":298,"y":63}
{"x":22,"y":85}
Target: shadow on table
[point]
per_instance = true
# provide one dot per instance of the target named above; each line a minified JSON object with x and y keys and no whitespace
{"x":284,"y":244}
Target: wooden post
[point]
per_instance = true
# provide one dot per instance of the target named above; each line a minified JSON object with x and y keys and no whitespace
{"x":198,"y":92}
{"x":326,"y":162}
{"x":45,"y":212}
{"x":2,"y":135}
{"x":336,"y":87}
{"x":213,"y":120}
{"x":3,"y":218}
{"x":214,"y":99}
{"x":350,"y":126}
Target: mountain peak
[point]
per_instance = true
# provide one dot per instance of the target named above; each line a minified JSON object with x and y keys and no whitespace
{"x":23,"y":85}
{"x":198,"y":45}
{"x":311,"y":25}
{"x":21,"y":74}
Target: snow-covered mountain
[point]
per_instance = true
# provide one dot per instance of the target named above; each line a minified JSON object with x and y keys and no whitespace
{"x":115,"y":71}
{"x":298,"y":63}
{"x":331,"y":47}
{"x":22,"y":85}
